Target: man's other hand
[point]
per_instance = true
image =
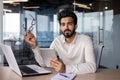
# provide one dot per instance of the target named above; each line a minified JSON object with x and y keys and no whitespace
{"x":58,"y":65}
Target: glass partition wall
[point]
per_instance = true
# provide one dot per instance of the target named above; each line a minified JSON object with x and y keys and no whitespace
{"x":1,"y":32}
{"x":101,"y":24}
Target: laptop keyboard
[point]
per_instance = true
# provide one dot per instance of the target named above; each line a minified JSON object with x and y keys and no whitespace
{"x":26,"y":69}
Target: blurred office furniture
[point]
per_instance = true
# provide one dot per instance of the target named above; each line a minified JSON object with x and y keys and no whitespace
{"x":98,"y":49}
{"x":10,"y":42}
{"x":1,"y":57}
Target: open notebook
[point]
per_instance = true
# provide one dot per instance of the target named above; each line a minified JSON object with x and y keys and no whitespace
{"x":24,"y":70}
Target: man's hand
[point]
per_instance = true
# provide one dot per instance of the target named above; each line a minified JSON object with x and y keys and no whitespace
{"x":30,"y":38}
{"x":58,"y":65}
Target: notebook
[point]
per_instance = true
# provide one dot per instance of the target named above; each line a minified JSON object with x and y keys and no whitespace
{"x":24,"y":70}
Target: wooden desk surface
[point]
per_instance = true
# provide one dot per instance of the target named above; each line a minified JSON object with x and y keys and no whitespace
{"x":102,"y":74}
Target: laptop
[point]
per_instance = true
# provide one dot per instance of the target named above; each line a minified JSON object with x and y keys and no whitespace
{"x":23,"y":70}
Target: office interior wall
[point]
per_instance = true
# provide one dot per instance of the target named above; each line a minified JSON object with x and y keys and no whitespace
{"x":44,"y":30}
{"x":111,"y":53}
{"x":115,"y":39}
{"x":26,"y":18}
{"x":104,"y":28}
{"x":89,"y":22}
{"x":1,"y":21}
{"x":42,"y":23}
{"x":11,"y":20}
{"x":108,"y":51}
{"x":1,"y":30}
{"x":30,"y":15}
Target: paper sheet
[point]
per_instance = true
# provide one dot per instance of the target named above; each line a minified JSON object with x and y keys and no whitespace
{"x":63,"y":76}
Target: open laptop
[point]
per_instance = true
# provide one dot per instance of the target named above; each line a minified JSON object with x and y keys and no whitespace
{"x":24,"y":70}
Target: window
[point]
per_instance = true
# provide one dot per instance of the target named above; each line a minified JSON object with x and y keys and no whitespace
{"x":11,"y":23}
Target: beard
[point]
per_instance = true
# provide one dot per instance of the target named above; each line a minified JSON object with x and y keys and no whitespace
{"x":68,"y":33}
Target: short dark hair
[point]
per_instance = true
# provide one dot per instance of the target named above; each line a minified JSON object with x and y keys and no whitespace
{"x":67,"y":13}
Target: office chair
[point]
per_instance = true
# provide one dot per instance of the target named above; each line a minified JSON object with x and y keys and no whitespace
{"x":98,"y":49}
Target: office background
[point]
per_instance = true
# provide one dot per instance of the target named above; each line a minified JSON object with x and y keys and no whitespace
{"x":101,"y":22}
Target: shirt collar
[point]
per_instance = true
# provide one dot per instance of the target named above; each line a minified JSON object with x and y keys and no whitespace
{"x":74,"y":40}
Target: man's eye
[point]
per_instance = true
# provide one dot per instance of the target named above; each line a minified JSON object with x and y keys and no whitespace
{"x":62,"y":24}
{"x":70,"y":23}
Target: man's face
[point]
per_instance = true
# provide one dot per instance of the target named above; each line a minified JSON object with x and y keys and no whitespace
{"x":67,"y":27}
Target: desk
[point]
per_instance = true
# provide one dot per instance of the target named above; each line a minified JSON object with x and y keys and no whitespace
{"x":102,"y":74}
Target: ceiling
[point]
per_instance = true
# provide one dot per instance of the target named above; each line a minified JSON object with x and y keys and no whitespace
{"x":97,"y":5}
{"x":54,"y":3}
{"x":46,"y":4}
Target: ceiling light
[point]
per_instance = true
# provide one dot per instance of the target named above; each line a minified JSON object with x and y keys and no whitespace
{"x":20,"y":0}
{"x":12,"y":1}
{"x":81,"y":5}
{"x":106,"y":7}
{"x":90,"y":4}
{"x":8,"y":1}
{"x":7,"y":10}
{"x":31,"y":7}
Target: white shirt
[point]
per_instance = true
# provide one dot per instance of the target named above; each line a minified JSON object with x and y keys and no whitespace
{"x":78,"y":56}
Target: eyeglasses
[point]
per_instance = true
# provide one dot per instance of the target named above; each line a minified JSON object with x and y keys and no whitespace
{"x":32,"y":24}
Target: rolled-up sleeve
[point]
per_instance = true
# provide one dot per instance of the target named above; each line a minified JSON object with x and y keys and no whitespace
{"x":38,"y":57}
{"x":81,"y":68}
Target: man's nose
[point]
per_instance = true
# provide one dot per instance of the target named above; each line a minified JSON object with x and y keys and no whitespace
{"x":66,"y":26}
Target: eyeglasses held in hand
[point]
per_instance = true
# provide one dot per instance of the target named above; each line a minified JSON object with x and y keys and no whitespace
{"x":32,"y":24}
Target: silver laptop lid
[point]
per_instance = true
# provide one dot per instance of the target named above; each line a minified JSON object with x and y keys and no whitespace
{"x":10,"y":58}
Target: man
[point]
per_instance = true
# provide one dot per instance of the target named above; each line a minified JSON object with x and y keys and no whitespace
{"x":75,"y":51}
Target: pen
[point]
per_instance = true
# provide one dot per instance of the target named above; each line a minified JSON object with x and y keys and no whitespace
{"x":64,"y":75}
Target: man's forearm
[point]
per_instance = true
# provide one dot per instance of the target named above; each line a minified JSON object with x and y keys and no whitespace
{"x":38,"y":56}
